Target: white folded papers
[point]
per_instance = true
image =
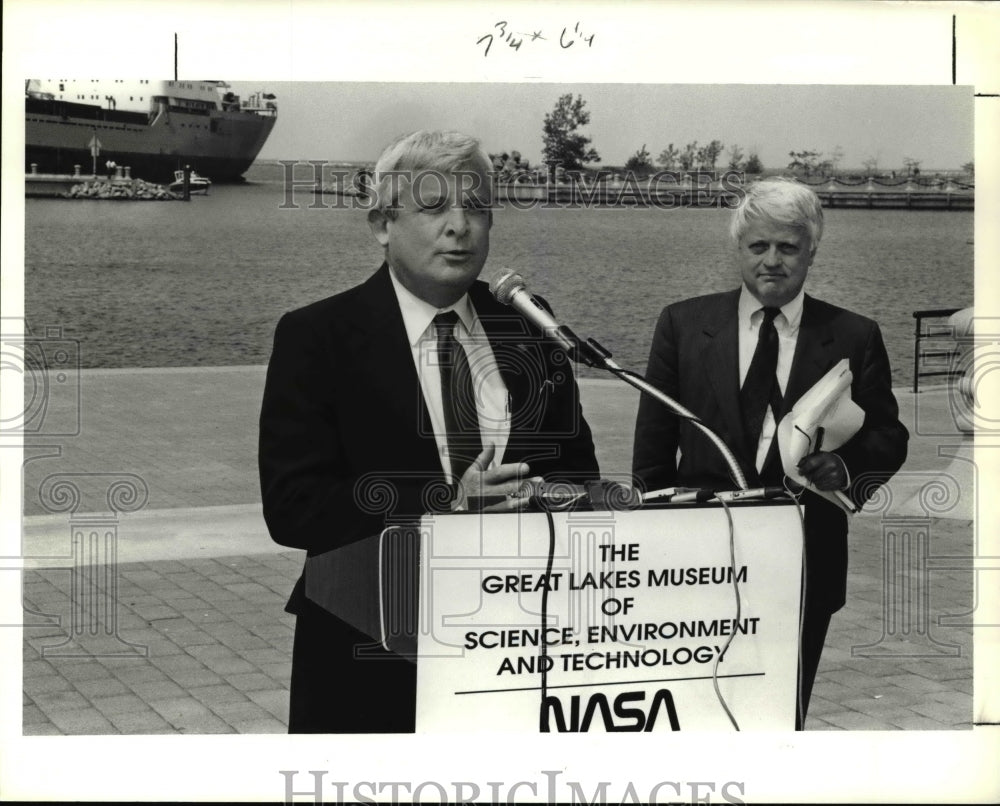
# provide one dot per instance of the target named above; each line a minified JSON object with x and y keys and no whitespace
{"x":828,"y":406}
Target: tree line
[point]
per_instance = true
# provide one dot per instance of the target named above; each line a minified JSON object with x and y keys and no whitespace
{"x":563,"y":144}
{"x":566,"y":146}
{"x":696,"y":157}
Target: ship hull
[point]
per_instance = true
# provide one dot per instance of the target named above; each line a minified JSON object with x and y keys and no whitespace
{"x":220,"y":144}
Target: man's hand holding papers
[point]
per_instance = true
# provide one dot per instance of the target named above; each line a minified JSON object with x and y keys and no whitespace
{"x":822,"y":420}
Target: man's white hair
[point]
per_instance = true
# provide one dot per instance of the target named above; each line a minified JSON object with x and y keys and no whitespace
{"x":442,"y":151}
{"x":779,"y":200}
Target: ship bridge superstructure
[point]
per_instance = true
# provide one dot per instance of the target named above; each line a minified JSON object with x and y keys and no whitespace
{"x":147,"y":95}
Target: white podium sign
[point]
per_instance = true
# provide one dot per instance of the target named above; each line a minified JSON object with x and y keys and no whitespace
{"x":613,"y":621}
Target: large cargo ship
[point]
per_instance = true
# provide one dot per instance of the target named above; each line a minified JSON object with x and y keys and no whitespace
{"x":154,"y":127}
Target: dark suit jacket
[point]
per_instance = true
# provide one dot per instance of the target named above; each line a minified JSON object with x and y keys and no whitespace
{"x":345,"y":440}
{"x":694,"y":359}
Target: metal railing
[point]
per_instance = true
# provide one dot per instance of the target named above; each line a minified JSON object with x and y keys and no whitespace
{"x":938,"y":334}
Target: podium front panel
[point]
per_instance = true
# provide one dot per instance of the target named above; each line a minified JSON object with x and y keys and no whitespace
{"x":609,"y":621}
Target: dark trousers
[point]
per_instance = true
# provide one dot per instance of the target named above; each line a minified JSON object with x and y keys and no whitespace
{"x":814,"y":627}
{"x":343,"y":681}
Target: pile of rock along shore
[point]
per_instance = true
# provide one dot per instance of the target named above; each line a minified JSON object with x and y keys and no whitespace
{"x":130,"y":189}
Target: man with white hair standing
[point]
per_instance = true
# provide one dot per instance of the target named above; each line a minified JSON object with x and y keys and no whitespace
{"x":378,"y":398}
{"x":739,"y":360}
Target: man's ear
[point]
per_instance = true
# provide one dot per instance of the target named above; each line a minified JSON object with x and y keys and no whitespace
{"x":379,"y":224}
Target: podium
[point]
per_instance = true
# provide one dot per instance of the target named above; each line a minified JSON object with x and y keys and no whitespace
{"x":644,"y":620}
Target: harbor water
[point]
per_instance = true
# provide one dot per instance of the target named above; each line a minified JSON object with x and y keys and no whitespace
{"x":203,"y":283}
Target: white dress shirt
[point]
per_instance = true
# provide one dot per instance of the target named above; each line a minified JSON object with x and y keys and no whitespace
{"x":492,"y":402}
{"x":751,"y":313}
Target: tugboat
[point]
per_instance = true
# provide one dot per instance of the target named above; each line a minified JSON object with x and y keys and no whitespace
{"x":196,"y":183}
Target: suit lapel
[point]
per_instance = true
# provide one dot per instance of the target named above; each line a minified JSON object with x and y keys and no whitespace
{"x":722,"y":367}
{"x":384,"y":361}
{"x":815,"y":353}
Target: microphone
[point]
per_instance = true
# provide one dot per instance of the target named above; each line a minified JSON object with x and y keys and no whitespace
{"x":597,"y":494}
{"x":678,"y":495}
{"x":508,"y":288}
{"x":753,"y":494}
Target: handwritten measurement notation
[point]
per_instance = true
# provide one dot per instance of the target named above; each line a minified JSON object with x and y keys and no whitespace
{"x":503,"y":34}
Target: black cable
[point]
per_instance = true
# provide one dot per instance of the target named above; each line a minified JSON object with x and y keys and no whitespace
{"x":543,"y":712}
{"x":802,"y":605}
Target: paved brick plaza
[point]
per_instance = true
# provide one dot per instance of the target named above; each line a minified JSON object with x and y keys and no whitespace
{"x":203,"y":644}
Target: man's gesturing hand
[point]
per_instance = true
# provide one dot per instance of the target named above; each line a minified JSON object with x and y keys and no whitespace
{"x":506,"y":482}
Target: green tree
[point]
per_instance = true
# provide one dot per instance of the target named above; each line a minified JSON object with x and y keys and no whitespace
{"x":508,"y":166}
{"x":688,"y":156}
{"x":712,"y":152}
{"x":806,"y":162}
{"x":836,"y":157}
{"x":911,"y":166}
{"x":639,"y":162}
{"x":970,"y":168}
{"x":735,"y":157}
{"x":562,"y":143}
{"x":668,"y":158}
{"x":753,"y":165}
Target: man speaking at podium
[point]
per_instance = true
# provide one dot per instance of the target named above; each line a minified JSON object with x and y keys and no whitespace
{"x":415,"y":391}
{"x":739,"y":360}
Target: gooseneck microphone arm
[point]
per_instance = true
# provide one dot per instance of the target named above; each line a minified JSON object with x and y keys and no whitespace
{"x":646,"y":387}
{"x":509,"y":289}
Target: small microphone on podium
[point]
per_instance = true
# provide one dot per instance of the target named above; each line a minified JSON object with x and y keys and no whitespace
{"x":752,"y":494}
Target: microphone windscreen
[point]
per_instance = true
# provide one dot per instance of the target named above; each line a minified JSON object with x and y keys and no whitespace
{"x":505,"y":284}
